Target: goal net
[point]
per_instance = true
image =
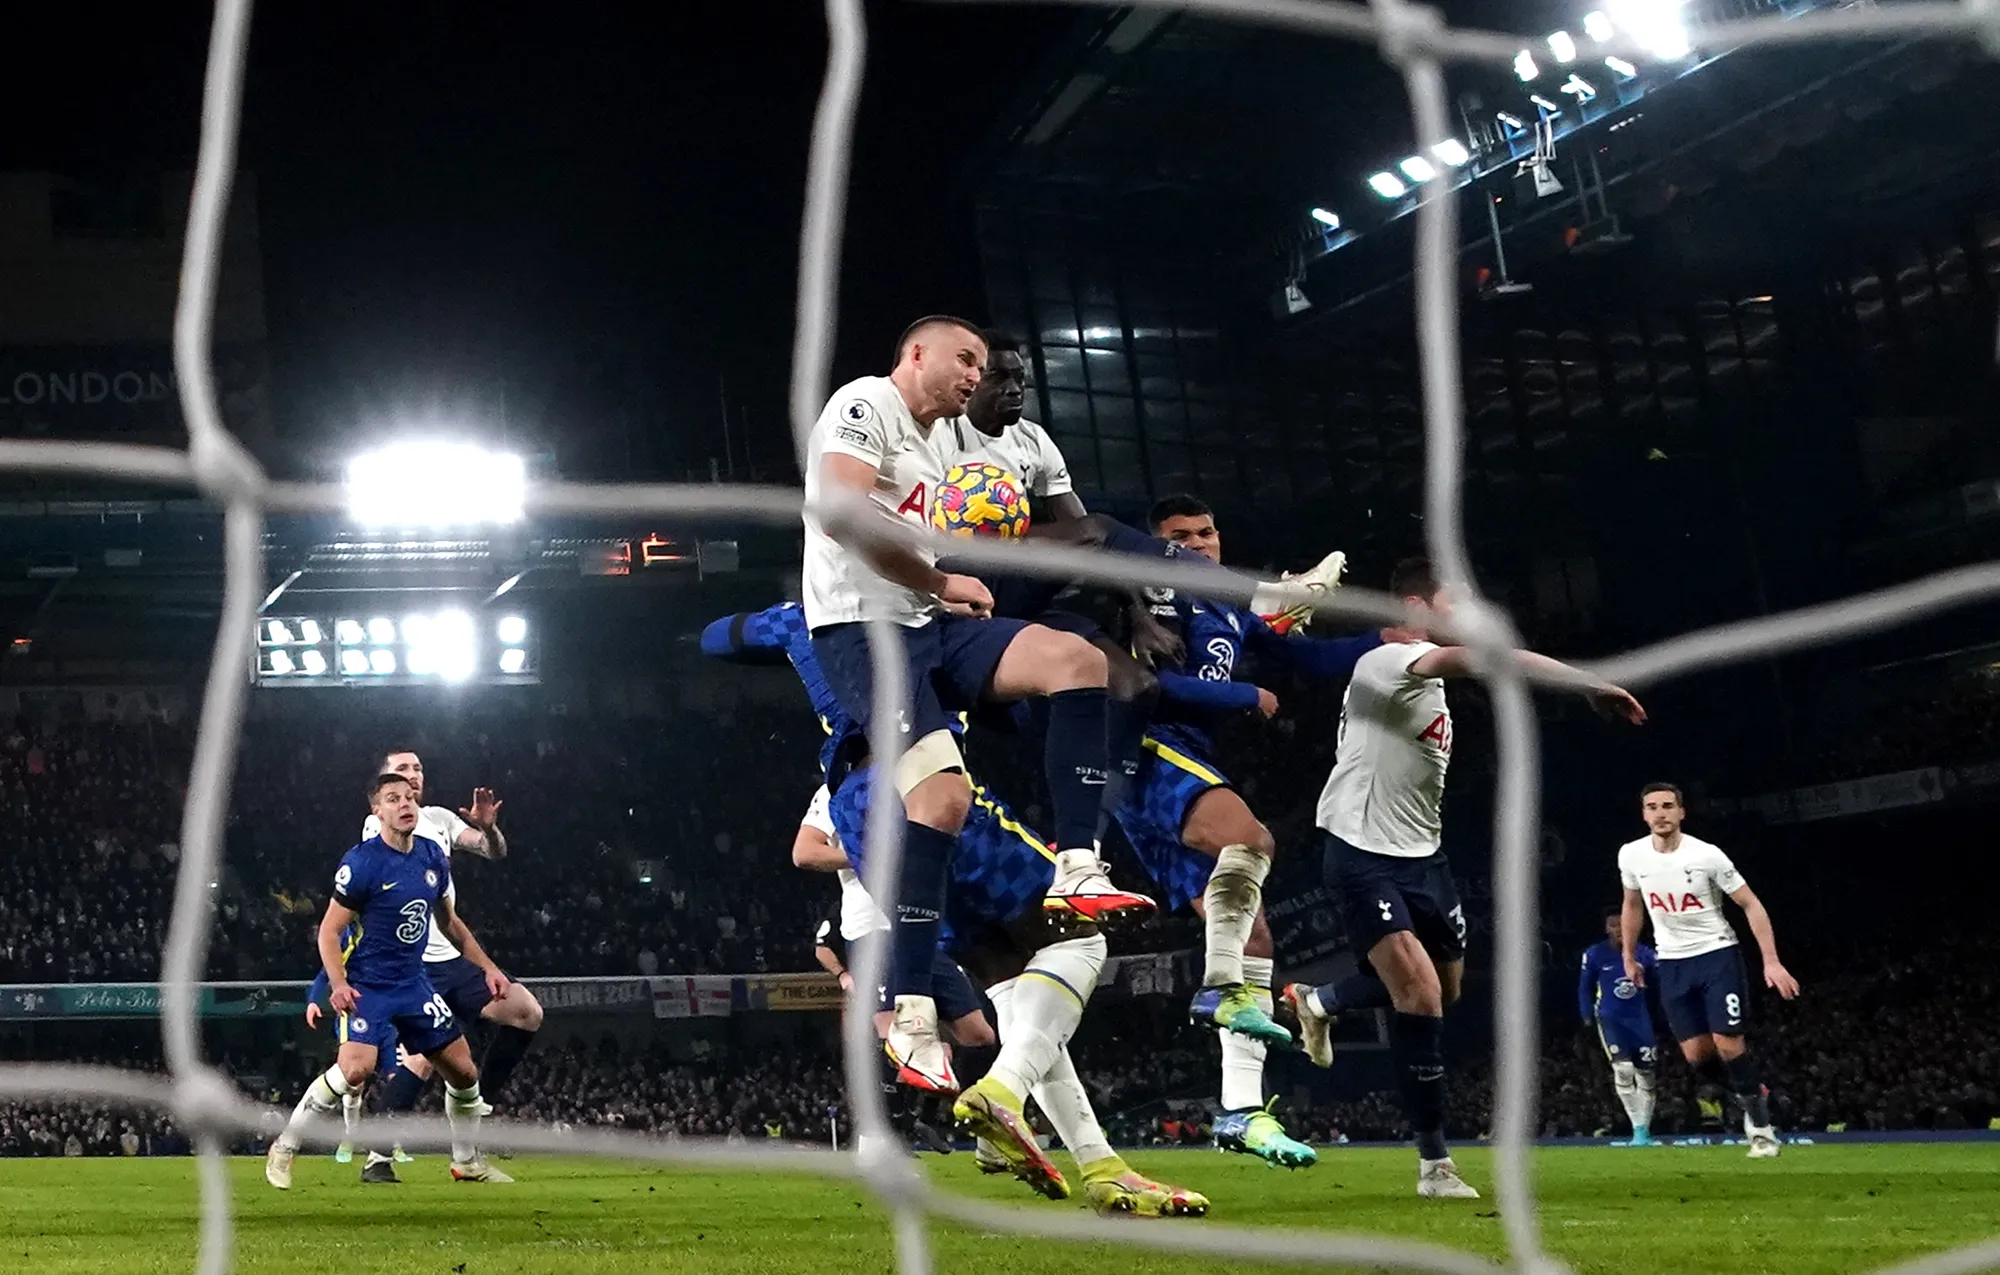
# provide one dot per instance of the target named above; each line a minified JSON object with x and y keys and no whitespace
{"x":1418,"y":44}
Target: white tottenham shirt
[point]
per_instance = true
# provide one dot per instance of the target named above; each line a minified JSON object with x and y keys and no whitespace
{"x":1683,"y":892}
{"x":1395,"y":743}
{"x":1024,"y":449}
{"x":859,"y":917}
{"x":868,"y":420}
{"x":442,"y":826}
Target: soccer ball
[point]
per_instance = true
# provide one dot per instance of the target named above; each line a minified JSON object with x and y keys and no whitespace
{"x":980,"y":499}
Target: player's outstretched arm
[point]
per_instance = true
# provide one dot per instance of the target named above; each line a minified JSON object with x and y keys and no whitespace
{"x":961,"y":595}
{"x":1776,"y":976}
{"x":741,"y":639}
{"x":482,"y":835}
{"x":1315,"y":657}
{"x":460,"y":934}
{"x":1631,"y":920}
{"x":1459,"y":661}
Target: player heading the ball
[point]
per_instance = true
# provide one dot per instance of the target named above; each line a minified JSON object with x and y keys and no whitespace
{"x":877,"y":439}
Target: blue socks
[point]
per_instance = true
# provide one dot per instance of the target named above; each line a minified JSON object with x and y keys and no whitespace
{"x":919,"y":909}
{"x":1074,"y":758}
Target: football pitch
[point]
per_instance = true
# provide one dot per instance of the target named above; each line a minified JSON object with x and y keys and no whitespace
{"x":1823,"y":1208}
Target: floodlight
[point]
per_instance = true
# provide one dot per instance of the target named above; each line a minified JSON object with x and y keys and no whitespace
{"x":347,"y":632}
{"x":1582,"y":88}
{"x":1418,"y":169}
{"x":1451,"y":151}
{"x":416,"y":628}
{"x":1524,"y":66}
{"x":1387,"y":185}
{"x":281,"y":662}
{"x":381,"y":661}
{"x":1545,"y":104}
{"x":279,"y":631}
{"x":1511,"y":122}
{"x":381,"y":631}
{"x":353,"y":662}
{"x":314,"y":663}
{"x":513,"y":630}
{"x":1563,"y":47}
{"x":1597,"y":25}
{"x":513,"y":660}
{"x":421,"y":661}
{"x":1331,"y":220}
{"x":435,"y":484}
{"x":1620,"y":65}
{"x":1655,"y":23}
{"x":309,"y":632}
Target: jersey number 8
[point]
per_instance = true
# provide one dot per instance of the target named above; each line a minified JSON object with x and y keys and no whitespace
{"x":1734,"y":1004}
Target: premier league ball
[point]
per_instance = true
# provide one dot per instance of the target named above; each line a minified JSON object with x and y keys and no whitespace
{"x":980,"y":499}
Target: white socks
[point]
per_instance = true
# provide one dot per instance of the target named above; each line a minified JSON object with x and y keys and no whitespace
{"x":461,"y":1108}
{"x":321,"y":1098}
{"x":1635,"y":1093}
{"x":1235,"y":891}
{"x":1061,"y":1094}
{"x":1048,"y":1002}
{"x":1242,"y":1056}
{"x":350,"y":1112}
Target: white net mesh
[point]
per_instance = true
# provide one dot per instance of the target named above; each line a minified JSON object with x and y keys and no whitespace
{"x":1417,"y":42}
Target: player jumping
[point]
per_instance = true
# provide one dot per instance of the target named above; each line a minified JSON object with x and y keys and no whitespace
{"x":1381,"y":812}
{"x":875,"y":440}
{"x":1607,"y":998}
{"x":1679,"y":881}
{"x":1198,"y":838}
{"x":387,"y":889}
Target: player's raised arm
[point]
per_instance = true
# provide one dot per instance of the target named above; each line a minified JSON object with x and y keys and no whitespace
{"x":1631,"y":918}
{"x":481,"y":834}
{"x":1315,"y":657}
{"x":1460,"y":661}
{"x":1776,"y":976}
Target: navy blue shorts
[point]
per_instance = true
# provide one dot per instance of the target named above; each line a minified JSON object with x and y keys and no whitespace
{"x":950,"y":660}
{"x":415,"y":1013}
{"x":462,"y":984}
{"x":999,"y":871}
{"x":1381,"y":895}
{"x":1174,"y":773}
{"x":1627,"y":1039}
{"x":950,"y":988}
{"x":1705,"y":995}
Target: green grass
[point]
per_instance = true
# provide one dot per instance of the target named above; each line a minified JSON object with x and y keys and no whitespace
{"x":1818,"y":1209}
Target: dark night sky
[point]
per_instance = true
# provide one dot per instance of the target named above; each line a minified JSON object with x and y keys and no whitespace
{"x":603,"y":206}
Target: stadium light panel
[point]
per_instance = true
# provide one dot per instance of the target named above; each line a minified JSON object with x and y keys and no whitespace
{"x":281,"y":662}
{"x":1451,"y":151}
{"x":309,"y":632}
{"x":1583,"y":89}
{"x":1388,"y":186}
{"x":1331,"y":220}
{"x":381,"y":631}
{"x":1620,"y":65}
{"x":1657,"y":24}
{"x":348,"y":632}
{"x":381,"y":661}
{"x":1511,"y":122}
{"x":1418,"y":169}
{"x":313,"y":663}
{"x":435,"y":484}
{"x":513,"y":660}
{"x":421,"y":660}
{"x":279,"y":631}
{"x":1524,"y":66}
{"x":1545,"y":104}
{"x":353,"y":662}
{"x":1597,"y":25}
{"x":513,"y":630}
{"x":1563,"y":46}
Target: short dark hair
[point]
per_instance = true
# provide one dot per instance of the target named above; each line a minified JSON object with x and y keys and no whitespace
{"x":1614,"y":909}
{"x":1181,"y":505}
{"x":1414,"y":578}
{"x":998,"y":342}
{"x":377,"y":784}
{"x":1663,"y":786}
{"x":395,"y":751}
{"x":933,"y":320}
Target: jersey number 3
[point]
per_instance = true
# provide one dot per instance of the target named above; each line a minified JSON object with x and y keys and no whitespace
{"x":416,"y":916}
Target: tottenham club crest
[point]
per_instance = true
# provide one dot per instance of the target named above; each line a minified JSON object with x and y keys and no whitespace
{"x":431,"y":877}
